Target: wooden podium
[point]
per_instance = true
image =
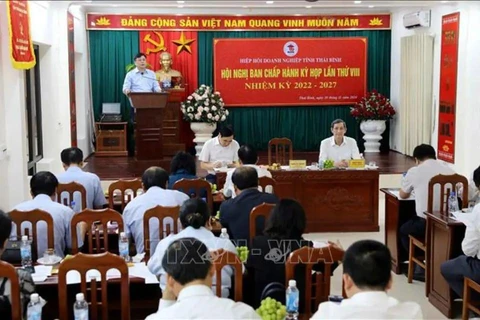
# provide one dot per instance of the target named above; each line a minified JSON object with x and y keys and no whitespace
{"x":157,"y":124}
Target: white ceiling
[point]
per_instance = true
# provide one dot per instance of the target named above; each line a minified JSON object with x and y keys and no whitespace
{"x":252,"y":7}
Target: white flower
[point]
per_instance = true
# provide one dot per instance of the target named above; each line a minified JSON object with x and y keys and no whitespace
{"x":202,"y":86}
{"x":200,"y":109}
{"x":206,"y":103}
{"x":217,"y":117}
{"x":226,"y":112}
{"x":217,"y":93}
{"x":209,"y":116}
{"x":198,"y":116}
{"x":206,"y":109}
{"x":214,"y":108}
{"x":223,"y":118}
{"x":190,"y":109}
{"x":190,"y":116}
{"x":190,"y":98}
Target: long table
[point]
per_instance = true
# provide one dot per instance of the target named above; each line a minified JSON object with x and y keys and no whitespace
{"x":334,"y":200}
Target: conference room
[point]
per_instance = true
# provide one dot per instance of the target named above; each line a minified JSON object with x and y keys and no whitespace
{"x":285,"y":136}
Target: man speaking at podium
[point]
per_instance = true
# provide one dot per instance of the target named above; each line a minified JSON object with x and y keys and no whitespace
{"x":339,"y":148}
{"x":140,"y":79}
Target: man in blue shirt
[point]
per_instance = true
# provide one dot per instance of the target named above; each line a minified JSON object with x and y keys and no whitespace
{"x":72,"y":159}
{"x":140,"y":79}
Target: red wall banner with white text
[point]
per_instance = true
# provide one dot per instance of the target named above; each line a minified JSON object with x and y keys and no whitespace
{"x":290,"y":71}
{"x":21,"y":46}
{"x":448,"y":87}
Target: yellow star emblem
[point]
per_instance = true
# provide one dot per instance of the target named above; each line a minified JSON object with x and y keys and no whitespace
{"x":183,"y":44}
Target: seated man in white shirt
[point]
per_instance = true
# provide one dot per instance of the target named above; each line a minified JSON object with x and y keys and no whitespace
{"x":367,"y":277}
{"x":454,"y":271}
{"x":188,"y":294}
{"x":154,"y":182}
{"x":339,"y":148}
{"x":473,"y":188}
{"x":72,"y":160}
{"x":219,"y":151}
{"x":248,"y":157}
{"x":417,"y":179}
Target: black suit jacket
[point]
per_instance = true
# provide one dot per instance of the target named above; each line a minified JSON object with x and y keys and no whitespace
{"x":235,"y":214}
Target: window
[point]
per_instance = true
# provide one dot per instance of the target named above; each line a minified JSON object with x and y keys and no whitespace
{"x":33,"y":115}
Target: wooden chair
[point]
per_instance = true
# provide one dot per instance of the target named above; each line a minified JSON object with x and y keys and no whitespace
{"x":280,"y":145}
{"x":101,"y":262}
{"x":262,"y":210}
{"x":222,"y":258}
{"x":70,"y":189}
{"x":264,"y":182}
{"x":197,"y":186}
{"x":468,"y":285}
{"x":421,"y":243}
{"x":8,"y":271}
{"x":309,"y":257}
{"x":93,"y":218}
{"x":34,"y":216}
{"x":160,"y":213}
{"x":124,"y":186}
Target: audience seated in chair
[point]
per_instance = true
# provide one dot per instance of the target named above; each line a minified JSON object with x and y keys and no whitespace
{"x":235,"y":213}
{"x":188,"y":293}
{"x":367,"y":277}
{"x":72,"y":159}
{"x":416,"y":180}
{"x":27,"y":286}
{"x":182,"y":167}
{"x":473,"y":188}
{"x":268,"y":253}
{"x":43,"y":187}
{"x":154,"y":182}
{"x":195,"y":220}
{"x":248,"y":157}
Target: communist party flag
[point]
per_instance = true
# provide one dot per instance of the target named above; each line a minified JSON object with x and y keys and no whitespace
{"x":182,"y":45}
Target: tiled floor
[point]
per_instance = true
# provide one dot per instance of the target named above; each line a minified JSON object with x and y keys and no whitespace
{"x":401,"y":289}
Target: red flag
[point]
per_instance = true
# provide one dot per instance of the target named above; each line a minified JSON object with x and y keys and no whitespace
{"x":182,"y":45}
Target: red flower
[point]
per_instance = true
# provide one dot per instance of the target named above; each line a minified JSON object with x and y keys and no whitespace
{"x":373,"y":106}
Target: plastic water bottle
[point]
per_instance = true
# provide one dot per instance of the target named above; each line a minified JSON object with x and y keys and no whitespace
{"x":452,"y":202}
{"x":72,"y":205}
{"x":26,"y":253}
{"x":224,"y":234}
{"x":80,"y":307}
{"x":292,"y":297}
{"x":321,"y":164}
{"x":34,"y":309}
{"x":123,"y":246}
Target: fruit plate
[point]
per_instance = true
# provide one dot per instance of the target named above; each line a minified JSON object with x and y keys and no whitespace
{"x":49,"y":261}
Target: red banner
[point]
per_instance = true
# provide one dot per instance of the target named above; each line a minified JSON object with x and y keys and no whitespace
{"x":448,"y":87}
{"x":21,"y":47}
{"x":290,"y":71}
{"x":237,"y":23}
{"x":71,"y":79}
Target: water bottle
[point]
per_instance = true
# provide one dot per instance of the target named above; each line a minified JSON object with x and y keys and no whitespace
{"x":321,"y":164}
{"x":292,"y":297}
{"x":123,"y":246}
{"x":224,"y":234}
{"x":80,"y":307}
{"x":72,"y":205}
{"x":452,"y":202}
{"x":26,"y":253}
{"x":34,"y":309}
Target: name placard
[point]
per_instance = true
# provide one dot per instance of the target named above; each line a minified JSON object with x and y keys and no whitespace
{"x":356,"y":163}
{"x":297,"y":164}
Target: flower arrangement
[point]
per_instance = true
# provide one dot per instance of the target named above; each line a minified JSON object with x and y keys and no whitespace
{"x":204,"y":105}
{"x":373,"y":106}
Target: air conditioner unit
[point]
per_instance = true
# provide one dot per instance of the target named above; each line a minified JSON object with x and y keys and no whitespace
{"x":417,"y":19}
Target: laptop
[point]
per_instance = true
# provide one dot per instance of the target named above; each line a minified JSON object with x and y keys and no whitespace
{"x":111,"y":112}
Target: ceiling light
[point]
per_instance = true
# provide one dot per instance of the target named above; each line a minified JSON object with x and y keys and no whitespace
{"x":297,"y":14}
{"x":370,"y":6}
{"x":443,"y":1}
{"x":357,"y":2}
{"x":180,"y":6}
{"x":239,"y":15}
{"x":180,"y":2}
{"x":269,"y":2}
{"x":308,"y":7}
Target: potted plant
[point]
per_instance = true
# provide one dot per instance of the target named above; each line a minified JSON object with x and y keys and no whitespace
{"x":204,"y":108}
{"x":372,"y":111}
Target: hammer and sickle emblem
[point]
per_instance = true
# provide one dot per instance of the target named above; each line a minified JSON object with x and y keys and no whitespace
{"x":159,"y":46}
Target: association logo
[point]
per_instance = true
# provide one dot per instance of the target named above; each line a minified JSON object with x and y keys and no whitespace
{"x":290,"y":48}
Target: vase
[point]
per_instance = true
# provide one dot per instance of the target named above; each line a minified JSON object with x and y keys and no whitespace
{"x":203,"y":132}
{"x":372,"y":134}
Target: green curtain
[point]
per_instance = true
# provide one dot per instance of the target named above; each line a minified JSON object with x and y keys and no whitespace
{"x":305,"y":126}
{"x":110,"y":52}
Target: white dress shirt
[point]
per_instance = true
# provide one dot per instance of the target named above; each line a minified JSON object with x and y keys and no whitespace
{"x":473,"y":192}
{"x":137,"y":81}
{"x":229,"y":189}
{"x":135,"y":210}
{"x":417,"y":179}
{"x":208,"y":238}
{"x":369,"y":305}
{"x":346,"y":151}
{"x":199,"y":302}
{"x":91,"y":183}
{"x":62,"y":217}
{"x":471,"y":242}
{"x":213,"y":151}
